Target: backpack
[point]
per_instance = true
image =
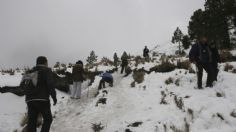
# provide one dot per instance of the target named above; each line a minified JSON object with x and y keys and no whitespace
{"x":29,"y":83}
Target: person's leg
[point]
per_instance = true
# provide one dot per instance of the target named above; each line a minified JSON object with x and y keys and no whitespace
{"x":215,"y":71}
{"x":208,"y":68}
{"x":104,"y":83}
{"x":32,"y":117}
{"x":122,"y":69}
{"x":100,"y":84}
{"x":73,"y":90}
{"x":45,"y":110}
{"x":78,"y":91}
{"x":199,"y":75}
{"x":109,"y":81}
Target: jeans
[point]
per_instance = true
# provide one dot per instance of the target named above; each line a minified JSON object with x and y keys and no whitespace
{"x":76,"y":91}
{"x":36,"y":107}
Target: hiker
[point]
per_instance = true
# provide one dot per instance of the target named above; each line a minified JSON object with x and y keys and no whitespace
{"x":124,"y":62}
{"x":201,"y":55}
{"x":37,"y":95}
{"x":116,"y":60}
{"x":215,"y":61}
{"x":106,"y":77}
{"x":78,"y":78}
{"x":146,"y":52}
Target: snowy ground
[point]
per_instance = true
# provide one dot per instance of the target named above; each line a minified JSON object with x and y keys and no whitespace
{"x":202,"y":111}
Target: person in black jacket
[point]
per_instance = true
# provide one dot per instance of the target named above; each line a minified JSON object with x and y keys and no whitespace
{"x":124,"y":62}
{"x":201,"y":55}
{"x":39,"y":101}
{"x":146,"y":52}
{"x":215,"y":60}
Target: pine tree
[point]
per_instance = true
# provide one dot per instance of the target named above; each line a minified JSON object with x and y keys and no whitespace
{"x":92,"y":58}
{"x":214,"y":22}
{"x":186,"y":41}
{"x":177,"y":38}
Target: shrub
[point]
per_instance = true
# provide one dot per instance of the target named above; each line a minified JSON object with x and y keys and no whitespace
{"x":132,"y":84}
{"x":138,"y":60}
{"x":169,"y":81}
{"x":234,"y":71}
{"x":138,"y":76}
{"x":177,"y":81}
{"x":163,"y":99}
{"x":101,"y":101}
{"x":191,"y":70}
{"x":179,"y":102}
{"x":97,"y":127}
{"x":183,"y":65}
{"x":155,"y":54}
{"x":135,"y":124}
{"x":233,"y":113}
{"x":105,"y":61}
{"x":228,"y":67}
{"x":226,"y":56}
{"x":180,"y":53}
{"x":163,"y":67}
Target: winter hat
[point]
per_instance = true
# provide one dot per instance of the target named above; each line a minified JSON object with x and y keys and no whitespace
{"x":79,"y":62}
{"x":41,"y":60}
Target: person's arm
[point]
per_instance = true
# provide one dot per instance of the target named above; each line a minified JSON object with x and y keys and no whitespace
{"x":51,"y":87}
{"x":193,"y":54}
{"x":218,"y":56}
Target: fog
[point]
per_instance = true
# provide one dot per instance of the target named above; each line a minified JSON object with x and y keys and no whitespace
{"x":67,"y":30}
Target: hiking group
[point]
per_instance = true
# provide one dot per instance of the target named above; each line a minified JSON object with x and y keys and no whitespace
{"x":39,"y":85}
{"x":205,"y":56}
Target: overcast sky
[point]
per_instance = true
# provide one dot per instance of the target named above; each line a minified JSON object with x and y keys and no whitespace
{"x":67,"y":30}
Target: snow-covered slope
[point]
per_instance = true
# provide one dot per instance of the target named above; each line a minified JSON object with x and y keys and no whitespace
{"x":126,"y":105}
{"x":151,"y":105}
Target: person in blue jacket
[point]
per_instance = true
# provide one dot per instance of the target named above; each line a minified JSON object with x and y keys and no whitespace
{"x":201,"y":55}
{"x":106,"y":77}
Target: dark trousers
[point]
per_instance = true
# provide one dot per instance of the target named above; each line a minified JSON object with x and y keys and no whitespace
{"x":215,"y":71}
{"x":103,"y":81}
{"x":123,"y":67}
{"x":208,"y":68}
{"x":36,"y":107}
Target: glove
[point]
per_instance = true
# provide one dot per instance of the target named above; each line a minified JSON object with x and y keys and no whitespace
{"x":54,"y":101}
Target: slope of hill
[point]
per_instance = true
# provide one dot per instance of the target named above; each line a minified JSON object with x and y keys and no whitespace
{"x":163,"y":102}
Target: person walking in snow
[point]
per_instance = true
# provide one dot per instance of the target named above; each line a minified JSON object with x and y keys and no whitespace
{"x":124,"y":62}
{"x":146,"y":52}
{"x":106,"y":77}
{"x":201,"y":55}
{"x":78,"y":78}
{"x":116,"y":60}
{"x":215,"y":60}
{"x":37,"y":98}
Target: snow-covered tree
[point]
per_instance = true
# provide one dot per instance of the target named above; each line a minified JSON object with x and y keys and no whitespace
{"x":177,"y":38}
{"x":92,"y":58}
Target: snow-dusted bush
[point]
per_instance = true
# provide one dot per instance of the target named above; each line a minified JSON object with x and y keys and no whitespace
{"x":179,"y":102}
{"x":183,"y":64}
{"x":138,"y":76}
{"x":106,"y":61}
{"x":226,"y":55}
{"x":163,"y":67}
{"x":170,"y":80}
{"x":228,"y":67}
{"x":97,"y":127}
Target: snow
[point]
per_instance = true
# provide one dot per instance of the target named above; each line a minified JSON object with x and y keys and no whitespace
{"x":126,"y":105}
